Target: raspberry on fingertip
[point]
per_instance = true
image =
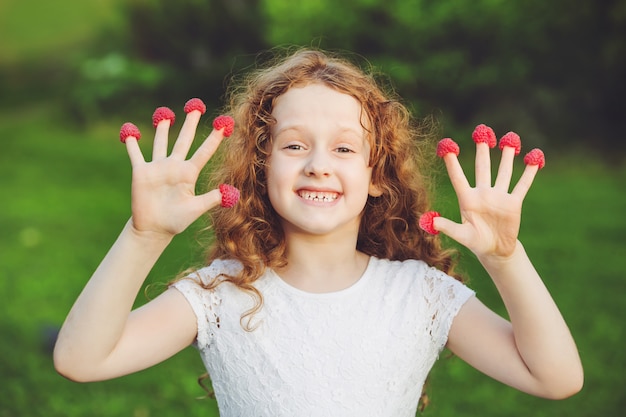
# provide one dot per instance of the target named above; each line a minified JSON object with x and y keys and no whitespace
{"x":195,"y":104}
{"x":512,"y":140}
{"x":535,"y":157}
{"x":127,"y":130}
{"x":446,"y":146}
{"x":163,"y":113}
{"x":484,"y":134}
{"x":224,"y":122}
{"x":230,"y":195}
{"x":426,"y":222}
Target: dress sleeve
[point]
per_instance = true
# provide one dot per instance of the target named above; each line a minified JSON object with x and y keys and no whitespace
{"x":204,"y":303}
{"x":444,"y":297}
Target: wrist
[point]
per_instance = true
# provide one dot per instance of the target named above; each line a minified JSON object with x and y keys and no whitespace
{"x":499,"y":262}
{"x":148,"y":237}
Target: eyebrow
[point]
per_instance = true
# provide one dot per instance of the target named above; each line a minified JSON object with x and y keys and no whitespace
{"x":360,"y":132}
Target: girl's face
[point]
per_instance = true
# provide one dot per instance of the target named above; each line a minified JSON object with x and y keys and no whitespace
{"x":318,"y":175}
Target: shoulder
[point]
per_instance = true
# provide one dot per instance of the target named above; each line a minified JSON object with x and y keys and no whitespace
{"x":415,"y":275}
{"x":218,"y":269}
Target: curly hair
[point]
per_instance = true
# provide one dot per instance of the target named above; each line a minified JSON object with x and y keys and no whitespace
{"x":251,"y":232}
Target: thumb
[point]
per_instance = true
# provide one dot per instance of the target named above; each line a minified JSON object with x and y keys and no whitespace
{"x":445,"y":226}
{"x":453,"y":230}
{"x":209,"y":200}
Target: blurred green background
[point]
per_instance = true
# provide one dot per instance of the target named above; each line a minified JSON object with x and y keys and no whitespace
{"x":71,"y":72}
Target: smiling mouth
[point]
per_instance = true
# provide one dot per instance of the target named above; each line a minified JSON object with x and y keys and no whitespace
{"x":318,"y":196}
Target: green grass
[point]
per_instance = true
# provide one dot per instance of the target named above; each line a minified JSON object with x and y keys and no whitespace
{"x":66,"y":196}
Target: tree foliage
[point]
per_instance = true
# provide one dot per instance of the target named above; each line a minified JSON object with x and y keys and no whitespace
{"x":551,"y":70}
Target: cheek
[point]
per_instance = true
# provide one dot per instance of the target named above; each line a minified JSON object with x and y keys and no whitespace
{"x":276,"y":177}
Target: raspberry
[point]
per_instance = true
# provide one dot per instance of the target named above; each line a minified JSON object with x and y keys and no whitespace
{"x":230,"y":195}
{"x":163,"y":113}
{"x":129,"y":129}
{"x":535,"y":157}
{"x":195,"y":104}
{"x":446,"y":146}
{"x":225,"y":122}
{"x":426,"y":222}
{"x":483,"y":133}
{"x":512,"y":140}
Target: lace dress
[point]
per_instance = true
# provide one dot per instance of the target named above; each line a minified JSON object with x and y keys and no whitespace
{"x":362,"y":351}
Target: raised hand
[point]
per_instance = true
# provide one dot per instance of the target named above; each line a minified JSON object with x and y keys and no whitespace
{"x":163,"y":190}
{"x":490,"y":214}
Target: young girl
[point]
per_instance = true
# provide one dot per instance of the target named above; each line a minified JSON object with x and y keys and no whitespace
{"x":322,"y":295}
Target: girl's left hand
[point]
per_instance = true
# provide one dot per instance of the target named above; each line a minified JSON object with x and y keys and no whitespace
{"x":490,"y":214}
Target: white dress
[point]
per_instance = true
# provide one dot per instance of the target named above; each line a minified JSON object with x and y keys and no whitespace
{"x":362,"y":351}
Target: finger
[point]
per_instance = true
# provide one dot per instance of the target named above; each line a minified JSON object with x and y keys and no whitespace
{"x":505,"y":170}
{"x":455,"y":172}
{"x":207,"y":149}
{"x":525,"y":181}
{"x":451,"y":229}
{"x":511,"y":145}
{"x":162,"y":118}
{"x":159,"y":146}
{"x":207,"y":201}
{"x":483,"y":165}
{"x":134,"y":152}
{"x":186,"y":135}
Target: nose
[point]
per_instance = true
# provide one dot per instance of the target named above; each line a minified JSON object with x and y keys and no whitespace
{"x":318,"y":164}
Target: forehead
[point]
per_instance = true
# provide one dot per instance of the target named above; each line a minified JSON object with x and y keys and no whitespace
{"x":316,"y":105}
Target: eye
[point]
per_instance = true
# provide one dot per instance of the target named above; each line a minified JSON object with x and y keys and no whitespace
{"x":294,"y":147}
{"x":344,"y":149}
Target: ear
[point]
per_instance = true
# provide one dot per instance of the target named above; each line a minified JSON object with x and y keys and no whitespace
{"x":374,"y":190}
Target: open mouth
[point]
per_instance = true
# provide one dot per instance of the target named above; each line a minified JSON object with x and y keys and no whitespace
{"x":319,"y":196}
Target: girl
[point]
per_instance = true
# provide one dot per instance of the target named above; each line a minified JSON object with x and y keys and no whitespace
{"x":322,"y":295}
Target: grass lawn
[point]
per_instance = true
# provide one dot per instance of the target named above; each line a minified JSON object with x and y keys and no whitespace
{"x":66,"y":196}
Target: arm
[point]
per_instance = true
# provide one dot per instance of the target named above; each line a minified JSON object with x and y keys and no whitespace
{"x":101,"y":338}
{"x":535,"y":351}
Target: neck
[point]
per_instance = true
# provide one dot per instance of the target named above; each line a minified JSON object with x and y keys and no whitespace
{"x":321,"y":264}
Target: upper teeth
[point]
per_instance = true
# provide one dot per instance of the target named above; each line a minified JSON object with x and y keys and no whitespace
{"x":318,"y":196}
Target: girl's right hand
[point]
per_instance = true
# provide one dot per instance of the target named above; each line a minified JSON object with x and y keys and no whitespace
{"x":164,"y":202}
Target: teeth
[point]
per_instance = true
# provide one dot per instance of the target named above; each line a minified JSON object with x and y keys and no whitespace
{"x":318,"y":196}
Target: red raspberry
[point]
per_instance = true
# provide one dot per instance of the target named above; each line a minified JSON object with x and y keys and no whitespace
{"x":163,"y":113}
{"x":195,"y":104}
{"x":535,"y":157}
{"x":224,"y":122}
{"x":512,"y":140}
{"x":426,"y":222}
{"x":446,"y":146}
{"x":230,"y":195}
{"x":129,"y":129}
{"x":483,"y":133}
